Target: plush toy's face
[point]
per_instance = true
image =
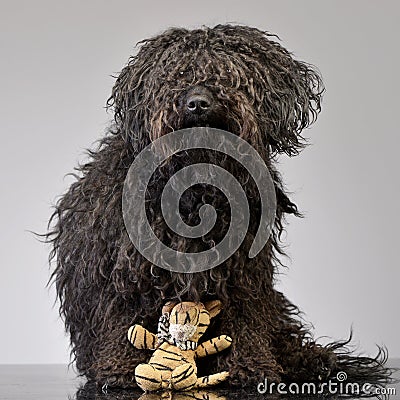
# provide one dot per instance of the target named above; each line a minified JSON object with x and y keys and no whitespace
{"x":188,"y":320}
{"x":182,"y":332}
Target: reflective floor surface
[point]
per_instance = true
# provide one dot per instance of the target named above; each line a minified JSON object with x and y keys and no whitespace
{"x":53,"y":382}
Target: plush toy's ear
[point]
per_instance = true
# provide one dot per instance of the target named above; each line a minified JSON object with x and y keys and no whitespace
{"x":168,"y":307}
{"x":213,"y":307}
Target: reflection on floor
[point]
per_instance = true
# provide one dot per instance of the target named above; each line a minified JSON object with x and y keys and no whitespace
{"x":55,"y":382}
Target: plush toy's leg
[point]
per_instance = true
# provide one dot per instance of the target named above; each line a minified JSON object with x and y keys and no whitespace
{"x":183,"y":377}
{"x":148,"y":378}
{"x":189,"y":395}
{"x":212,"y":380}
{"x":194,"y":395}
{"x":151,"y":396}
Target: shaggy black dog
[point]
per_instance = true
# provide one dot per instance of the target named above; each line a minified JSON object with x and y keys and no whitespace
{"x":239,"y":79}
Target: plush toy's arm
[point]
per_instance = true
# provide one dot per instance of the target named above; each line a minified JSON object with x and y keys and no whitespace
{"x":141,"y":338}
{"x":213,"y":346}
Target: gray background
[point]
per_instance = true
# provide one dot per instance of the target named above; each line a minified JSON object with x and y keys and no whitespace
{"x":57,"y":58}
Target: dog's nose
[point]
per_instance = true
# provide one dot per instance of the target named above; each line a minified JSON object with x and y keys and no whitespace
{"x":199,"y":100}
{"x":198,"y":103}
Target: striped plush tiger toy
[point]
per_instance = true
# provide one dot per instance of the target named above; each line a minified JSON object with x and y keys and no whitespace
{"x":173,"y":364}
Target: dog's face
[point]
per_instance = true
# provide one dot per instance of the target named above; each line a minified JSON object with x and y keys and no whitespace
{"x":235,"y":78}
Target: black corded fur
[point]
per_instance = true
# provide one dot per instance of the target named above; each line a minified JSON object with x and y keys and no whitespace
{"x":104,"y":285}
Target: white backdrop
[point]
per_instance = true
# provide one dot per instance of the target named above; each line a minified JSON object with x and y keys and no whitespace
{"x":57,"y":58}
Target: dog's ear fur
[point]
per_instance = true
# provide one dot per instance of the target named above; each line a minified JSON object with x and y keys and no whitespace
{"x":125,"y":97}
{"x":292,"y":98}
{"x":296,"y":108}
{"x":128,"y":96}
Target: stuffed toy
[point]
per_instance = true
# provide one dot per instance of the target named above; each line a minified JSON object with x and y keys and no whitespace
{"x":173,"y":364}
{"x":201,"y":394}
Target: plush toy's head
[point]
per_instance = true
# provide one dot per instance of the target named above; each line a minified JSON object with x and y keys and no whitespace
{"x":188,"y":320}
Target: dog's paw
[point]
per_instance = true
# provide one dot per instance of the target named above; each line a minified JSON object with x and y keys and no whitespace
{"x":241,"y":376}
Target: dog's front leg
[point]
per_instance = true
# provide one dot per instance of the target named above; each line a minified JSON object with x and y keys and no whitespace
{"x":116,"y":358}
{"x":250,"y":360}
